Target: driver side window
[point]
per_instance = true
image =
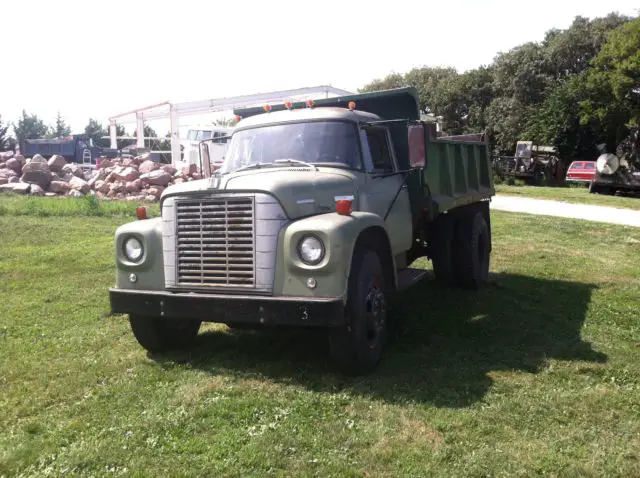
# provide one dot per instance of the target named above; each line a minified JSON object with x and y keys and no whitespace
{"x":379,"y":149}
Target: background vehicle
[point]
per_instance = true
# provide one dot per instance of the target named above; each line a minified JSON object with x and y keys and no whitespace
{"x":313,"y":220}
{"x":615,"y":174}
{"x":77,"y":148}
{"x":581,"y":172}
{"x":216,"y":138}
{"x":531,"y":163}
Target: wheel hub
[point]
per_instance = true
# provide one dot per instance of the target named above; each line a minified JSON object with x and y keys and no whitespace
{"x":375,"y":306}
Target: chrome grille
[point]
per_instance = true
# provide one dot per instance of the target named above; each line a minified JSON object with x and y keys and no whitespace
{"x":215,"y":242}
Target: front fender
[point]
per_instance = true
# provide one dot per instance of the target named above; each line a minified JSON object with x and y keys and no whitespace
{"x":149,"y":270}
{"x":339,"y":234}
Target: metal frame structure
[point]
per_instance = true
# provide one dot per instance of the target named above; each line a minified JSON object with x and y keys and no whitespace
{"x":174,"y":111}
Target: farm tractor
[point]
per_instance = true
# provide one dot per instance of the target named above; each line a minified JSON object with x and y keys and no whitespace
{"x":530,"y":163}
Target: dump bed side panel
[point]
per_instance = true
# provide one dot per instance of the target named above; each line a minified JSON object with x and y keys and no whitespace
{"x":457,"y":172}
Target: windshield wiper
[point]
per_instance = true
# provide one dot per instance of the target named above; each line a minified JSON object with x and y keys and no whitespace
{"x":277,"y":161}
{"x":250,"y":166}
{"x":296,"y":161}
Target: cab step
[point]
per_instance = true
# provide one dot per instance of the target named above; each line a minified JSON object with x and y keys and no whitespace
{"x":409,"y":276}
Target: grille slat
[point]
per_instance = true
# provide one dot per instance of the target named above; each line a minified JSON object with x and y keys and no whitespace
{"x":215,"y":242}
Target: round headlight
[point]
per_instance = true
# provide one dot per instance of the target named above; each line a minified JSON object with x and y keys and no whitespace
{"x":133,"y":249}
{"x":311,"y":250}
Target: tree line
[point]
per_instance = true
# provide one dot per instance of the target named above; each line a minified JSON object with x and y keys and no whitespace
{"x":578,"y":89}
{"x":30,"y":126}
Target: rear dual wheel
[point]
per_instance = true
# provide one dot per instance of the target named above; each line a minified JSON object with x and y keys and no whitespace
{"x":461,"y":248}
{"x":472,"y":251}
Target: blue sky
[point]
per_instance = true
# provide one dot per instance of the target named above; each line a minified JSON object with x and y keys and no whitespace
{"x":95,"y":58}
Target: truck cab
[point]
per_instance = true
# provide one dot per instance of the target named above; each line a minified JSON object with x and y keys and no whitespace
{"x":216,"y":138}
{"x":313,"y":220}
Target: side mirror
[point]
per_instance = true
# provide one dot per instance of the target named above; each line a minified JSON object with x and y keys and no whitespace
{"x":417,"y":148}
{"x":205,"y":161}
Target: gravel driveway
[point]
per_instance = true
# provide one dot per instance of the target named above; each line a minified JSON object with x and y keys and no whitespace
{"x":545,"y":207}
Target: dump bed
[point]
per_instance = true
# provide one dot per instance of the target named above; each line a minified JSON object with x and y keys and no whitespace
{"x":49,"y":147}
{"x":456,"y":172}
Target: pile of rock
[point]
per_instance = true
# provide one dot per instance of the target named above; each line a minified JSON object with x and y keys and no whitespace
{"x":135,"y":179}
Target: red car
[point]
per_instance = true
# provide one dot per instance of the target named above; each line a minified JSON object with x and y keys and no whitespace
{"x":581,"y":172}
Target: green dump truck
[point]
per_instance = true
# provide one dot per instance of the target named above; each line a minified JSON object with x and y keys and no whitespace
{"x":313,"y":220}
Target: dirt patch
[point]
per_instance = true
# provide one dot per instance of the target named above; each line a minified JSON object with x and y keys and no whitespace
{"x":410,"y":432}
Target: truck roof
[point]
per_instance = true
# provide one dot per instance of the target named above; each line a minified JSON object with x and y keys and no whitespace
{"x":285,"y":116}
{"x":397,"y":103}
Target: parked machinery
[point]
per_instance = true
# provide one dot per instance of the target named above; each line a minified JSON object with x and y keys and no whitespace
{"x":614,"y":174}
{"x":76,"y":148}
{"x":531,"y":163}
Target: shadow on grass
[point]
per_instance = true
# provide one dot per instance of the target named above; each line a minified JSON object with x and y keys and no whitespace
{"x":444,"y":346}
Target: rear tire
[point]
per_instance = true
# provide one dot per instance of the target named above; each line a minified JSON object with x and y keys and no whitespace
{"x":442,"y":250}
{"x":159,"y":334}
{"x":356,"y":348}
{"x":472,"y":251}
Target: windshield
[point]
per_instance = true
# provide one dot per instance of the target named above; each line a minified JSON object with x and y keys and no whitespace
{"x":313,"y":142}
{"x":198,"y":135}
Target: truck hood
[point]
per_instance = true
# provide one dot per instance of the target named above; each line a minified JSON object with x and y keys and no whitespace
{"x":301,"y":192}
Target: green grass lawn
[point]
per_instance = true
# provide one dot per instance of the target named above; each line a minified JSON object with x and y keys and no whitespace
{"x":572,"y":195}
{"x":538,"y":374}
{"x":87,"y":206}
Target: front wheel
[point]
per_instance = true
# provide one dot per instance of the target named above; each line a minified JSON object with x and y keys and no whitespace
{"x":159,"y":334}
{"x":357,"y":347}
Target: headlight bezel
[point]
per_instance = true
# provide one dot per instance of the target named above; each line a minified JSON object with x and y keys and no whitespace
{"x":323,"y":249}
{"x":129,"y":258}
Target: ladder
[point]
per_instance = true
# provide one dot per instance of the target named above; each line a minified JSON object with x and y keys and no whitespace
{"x":86,"y":159}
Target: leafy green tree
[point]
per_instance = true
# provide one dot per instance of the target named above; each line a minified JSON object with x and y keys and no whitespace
{"x":434,"y":90}
{"x":394,"y":80}
{"x":96,"y":131}
{"x":472,"y":92}
{"x":570,"y":51}
{"x":7,"y":143}
{"x":523,"y":74}
{"x":29,"y":127}
{"x":557,"y":121}
{"x":60,"y":129}
{"x":613,"y":83}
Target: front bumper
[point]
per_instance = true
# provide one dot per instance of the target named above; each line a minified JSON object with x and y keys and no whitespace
{"x":230,"y":309}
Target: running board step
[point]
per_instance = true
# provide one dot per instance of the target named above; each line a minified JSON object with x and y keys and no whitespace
{"x":408,"y":277}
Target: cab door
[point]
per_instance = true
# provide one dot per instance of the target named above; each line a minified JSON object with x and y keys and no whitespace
{"x":384,"y":182}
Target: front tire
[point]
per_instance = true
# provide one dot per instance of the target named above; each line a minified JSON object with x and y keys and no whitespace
{"x":356,"y":348}
{"x":159,"y":334}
